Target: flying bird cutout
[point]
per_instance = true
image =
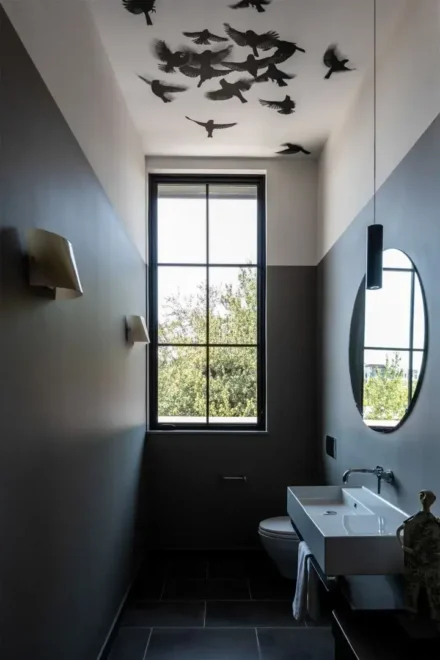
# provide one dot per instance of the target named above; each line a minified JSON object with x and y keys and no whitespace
{"x":335,"y":62}
{"x":170,"y":60}
{"x":256,"y":4}
{"x":251,"y":39}
{"x":230,"y":90}
{"x":275,"y":75}
{"x":293,"y":149}
{"x":252,"y":64}
{"x":162,"y":90}
{"x":145,"y":7}
{"x":286,"y":49}
{"x":204,"y":74}
{"x":286,"y":107}
{"x":203,"y":38}
{"x":211,"y":126}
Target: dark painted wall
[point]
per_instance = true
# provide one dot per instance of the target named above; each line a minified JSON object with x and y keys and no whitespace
{"x":72,"y":395}
{"x":408,"y":205}
{"x":192,"y":508}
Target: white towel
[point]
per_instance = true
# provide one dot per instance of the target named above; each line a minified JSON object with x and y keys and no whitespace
{"x":306,"y":601}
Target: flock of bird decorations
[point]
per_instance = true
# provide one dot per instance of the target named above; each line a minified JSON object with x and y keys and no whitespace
{"x":203,"y":65}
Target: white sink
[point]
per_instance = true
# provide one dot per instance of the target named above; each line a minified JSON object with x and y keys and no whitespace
{"x":350,"y":531}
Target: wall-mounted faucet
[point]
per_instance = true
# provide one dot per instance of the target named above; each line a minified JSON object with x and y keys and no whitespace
{"x":379,"y":472}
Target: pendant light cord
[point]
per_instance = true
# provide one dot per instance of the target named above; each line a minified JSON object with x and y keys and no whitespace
{"x":375,"y":112}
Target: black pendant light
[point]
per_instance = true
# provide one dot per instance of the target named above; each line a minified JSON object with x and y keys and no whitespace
{"x":375,"y":231}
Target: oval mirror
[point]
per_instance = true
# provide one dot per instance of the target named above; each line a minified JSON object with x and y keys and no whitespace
{"x":388,"y":344}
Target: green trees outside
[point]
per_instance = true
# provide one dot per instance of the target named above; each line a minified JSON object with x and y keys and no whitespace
{"x":232,"y":371}
{"x":386,"y":392}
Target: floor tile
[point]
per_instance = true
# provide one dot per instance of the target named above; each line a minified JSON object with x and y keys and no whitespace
{"x":252,"y":613}
{"x":296,"y":644}
{"x":271,"y":588}
{"x":227,"y":567}
{"x":188,"y":566}
{"x":147,"y":587}
{"x":261,"y":566}
{"x":130,"y":644}
{"x":219,"y":589}
{"x":157,"y":614}
{"x":203,"y":644}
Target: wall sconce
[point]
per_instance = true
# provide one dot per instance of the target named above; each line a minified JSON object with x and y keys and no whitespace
{"x":136,"y":330}
{"x":52,"y":264}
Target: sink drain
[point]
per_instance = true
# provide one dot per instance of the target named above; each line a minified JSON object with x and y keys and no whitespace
{"x":330,"y":513}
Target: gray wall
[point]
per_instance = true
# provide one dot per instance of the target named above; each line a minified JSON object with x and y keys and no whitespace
{"x":408,"y":205}
{"x":192,"y":508}
{"x":72,"y":395}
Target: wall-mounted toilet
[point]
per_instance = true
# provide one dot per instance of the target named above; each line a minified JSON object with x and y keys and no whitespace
{"x":281,"y":544}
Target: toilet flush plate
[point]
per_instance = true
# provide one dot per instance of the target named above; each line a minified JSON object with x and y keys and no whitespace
{"x":350,"y":531}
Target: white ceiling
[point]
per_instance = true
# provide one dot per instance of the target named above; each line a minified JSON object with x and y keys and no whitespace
{"x":321,"y":104}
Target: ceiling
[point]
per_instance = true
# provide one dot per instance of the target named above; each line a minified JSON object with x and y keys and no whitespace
{"x":259,"y":130}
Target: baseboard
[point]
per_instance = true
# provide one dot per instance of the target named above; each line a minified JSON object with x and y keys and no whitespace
{"x":105,"y":649}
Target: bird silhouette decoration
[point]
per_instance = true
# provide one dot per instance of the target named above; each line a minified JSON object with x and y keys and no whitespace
{"x":162,"y":90}
{"x":204,"y":74}
{"x":335,"y":62}
{"x":275,"y":75}
{"x":252,"y":65}
{"x":252,"y":40}
{"x":286,"y":49}
{"x":201,"y":64}
{"x":286,"y":107}
{"x":230,"y":90}
{"x":256,"y":4}
{"x":293,"y":149}
{"x":209,"y":57}
{"x":211,"y":126}
{"x":145,"y":7}
{"x":170,"y":61}
{"x":203,"y":38}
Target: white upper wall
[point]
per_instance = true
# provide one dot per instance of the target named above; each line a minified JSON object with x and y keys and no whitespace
{"x":408,"y":100}
{"x":64,"y":44}
{"x":292,"y":187}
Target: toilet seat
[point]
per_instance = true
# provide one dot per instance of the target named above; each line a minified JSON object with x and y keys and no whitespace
{"x":280,"y":528}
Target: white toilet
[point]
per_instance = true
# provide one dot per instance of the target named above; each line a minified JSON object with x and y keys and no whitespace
{"x":281,"y":544}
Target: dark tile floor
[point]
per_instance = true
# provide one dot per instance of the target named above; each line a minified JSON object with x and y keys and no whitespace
{"x":215,"y":607}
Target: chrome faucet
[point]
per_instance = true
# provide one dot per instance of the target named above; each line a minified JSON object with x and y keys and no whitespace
{"x":379,"y":472}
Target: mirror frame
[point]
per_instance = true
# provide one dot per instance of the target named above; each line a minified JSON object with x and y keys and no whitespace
{"x":357,"y":329}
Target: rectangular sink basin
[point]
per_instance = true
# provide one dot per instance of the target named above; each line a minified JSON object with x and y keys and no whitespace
{"x":350,"y":531}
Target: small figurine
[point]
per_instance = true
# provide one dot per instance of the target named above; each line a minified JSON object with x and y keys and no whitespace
{"x":421,"y":545}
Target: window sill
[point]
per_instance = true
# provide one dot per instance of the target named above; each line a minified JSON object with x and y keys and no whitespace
{"x":206,"y":432}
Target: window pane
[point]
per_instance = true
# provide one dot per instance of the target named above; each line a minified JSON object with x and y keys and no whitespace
{"x":385,"y":387}
{"x":233,"y":385}
{"x":233,"y":305}
{"x":233,"y":220}
{"x":181,"y":223}
{"x":393,"y":258}
{"x":419,"y":315}
{"x":182,"y":305}
{"x":417,"y":367}
{"x":181,"y":385}
{"x":388,"y":312}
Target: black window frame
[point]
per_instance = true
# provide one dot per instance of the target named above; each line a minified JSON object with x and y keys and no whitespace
{"x":155,"y":180}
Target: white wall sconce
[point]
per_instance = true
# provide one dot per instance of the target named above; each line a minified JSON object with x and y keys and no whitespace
{"x":52,"y":264}
{"x":136,"y":330}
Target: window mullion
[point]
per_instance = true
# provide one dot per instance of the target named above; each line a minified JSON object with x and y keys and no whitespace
{"x":207,"y":305}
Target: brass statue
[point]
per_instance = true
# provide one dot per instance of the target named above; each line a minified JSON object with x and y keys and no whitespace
{"x":421,"y":544}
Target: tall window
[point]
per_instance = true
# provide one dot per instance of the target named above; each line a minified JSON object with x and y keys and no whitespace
{"x":207,"y":302}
